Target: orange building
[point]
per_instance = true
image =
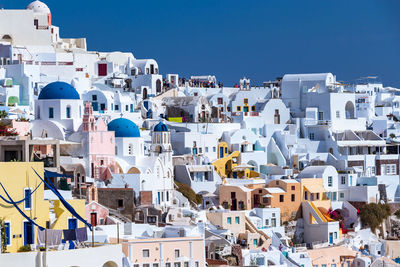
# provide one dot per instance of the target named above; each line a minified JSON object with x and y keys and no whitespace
{"x":286,"y":195}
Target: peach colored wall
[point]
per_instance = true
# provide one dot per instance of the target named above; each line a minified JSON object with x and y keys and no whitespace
{"x":288,"y":207}
{"x":169,"y":245}
{"x":225,"y":195}
{"x":221,"y":219}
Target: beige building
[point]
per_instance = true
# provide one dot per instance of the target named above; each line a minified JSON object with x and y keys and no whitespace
{"x":233,"y":221}
{"x":165,"y":252}
{"x":332,"y":256}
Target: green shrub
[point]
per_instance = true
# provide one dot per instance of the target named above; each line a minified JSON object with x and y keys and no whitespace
{"x":397,"y":213}
{"x":25,"y":248}
{"x":374,"y":214}
{"x":188,"y":192}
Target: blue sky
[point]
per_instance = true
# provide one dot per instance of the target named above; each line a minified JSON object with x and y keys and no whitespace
{"x":260,"y":39}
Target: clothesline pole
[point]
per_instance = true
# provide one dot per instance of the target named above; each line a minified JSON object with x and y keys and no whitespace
{"x":118,"y":233}
{"x":45,"y":248}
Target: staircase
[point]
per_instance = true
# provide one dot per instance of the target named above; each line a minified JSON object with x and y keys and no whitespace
{"x":119,"y":216}
{"x":253,"y":229}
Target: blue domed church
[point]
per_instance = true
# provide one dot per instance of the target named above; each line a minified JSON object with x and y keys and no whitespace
{"x":58,"y":111}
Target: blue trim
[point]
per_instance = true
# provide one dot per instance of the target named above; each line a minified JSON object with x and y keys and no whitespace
{"x":51,"y":186}
{"x":20,"y":211}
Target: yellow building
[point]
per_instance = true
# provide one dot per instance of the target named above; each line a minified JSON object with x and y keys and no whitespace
{"x":19,"y":179}
{"x":63,"y":216}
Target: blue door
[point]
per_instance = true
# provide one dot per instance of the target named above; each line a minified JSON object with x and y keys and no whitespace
{"x":221,"y":152}
{"x":29,"y":234}
{"x":330,"y":238}
{"x":72,"y":224}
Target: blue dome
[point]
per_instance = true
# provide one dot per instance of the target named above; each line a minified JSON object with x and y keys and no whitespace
{"x":59,"y":90}
{"x":160,"y":127}
{"x":123,"y":128}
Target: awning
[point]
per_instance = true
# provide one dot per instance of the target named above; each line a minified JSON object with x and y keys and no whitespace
{"x":315,"y":188}
{"x":203,"y":168}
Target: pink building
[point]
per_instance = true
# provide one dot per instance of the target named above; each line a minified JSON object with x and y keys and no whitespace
{"x":169,"y":252}
{"x":100,"y":145}
{"x":21,"y":127}
{"x":96,"y":213}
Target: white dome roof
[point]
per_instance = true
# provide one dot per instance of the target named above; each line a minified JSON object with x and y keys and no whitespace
{"x":38,"y":7}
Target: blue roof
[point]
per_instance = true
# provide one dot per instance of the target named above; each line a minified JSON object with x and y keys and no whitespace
{"x":59,"y":90}
{"x":124,"y":128}
{"x":160,"y":127}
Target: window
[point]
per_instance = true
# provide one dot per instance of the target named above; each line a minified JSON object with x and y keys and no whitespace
{"x":120,"y":203}
{"x":335,"y":235}
{"x":281,"y":198}
{"x":220,"y":101}
{"x":323,"y":265}
{"x":126,"y":107}
{"x":177,"y":264}
{"x":338,"y":114}
{"x":255,"y":242}
{"x":177,"y":253}
{"x":68,"y":112}
{"x":373,"y":170}
{"x":28,"y":198}
{"x":253,"y":108}
{"x":146,"y":265}
{"x":246,"y":101}
{"x":196,"y":264}
{"x":94,"y":97}
{"x":7,"y":230}
{"x":136,"y":265}
{"x":320,"y":116}
{"x":238,"y":108}
{"x":266,"y":222}
{"x":330,"y":182}
{"x":155,"y":264}
{"x":214,"y":149}
{"x":311,"y":136}
{"x":293,"y":197}
{"x":341,"y":195}
{"x":229,"y":220}
{"x":168,"y":264}
{"x":146,"y":253}
{"x":333,"y":265}
{"x":317,"y":196}
{"x":186,"y":264}
{"x":315,"y":265}
{"x":116,"y":107}
{"x":343,"y":180}
{"x":305,"y":195}
{"x":293,"y":187}
{"x":390,"y":169}
{"x":237,"y":220}
{"x":51,"y":113}
{"x":273,"y":215}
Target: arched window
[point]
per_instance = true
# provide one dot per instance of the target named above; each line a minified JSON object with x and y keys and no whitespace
{"x":68,"y":112}
{"x":51,"y":112}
